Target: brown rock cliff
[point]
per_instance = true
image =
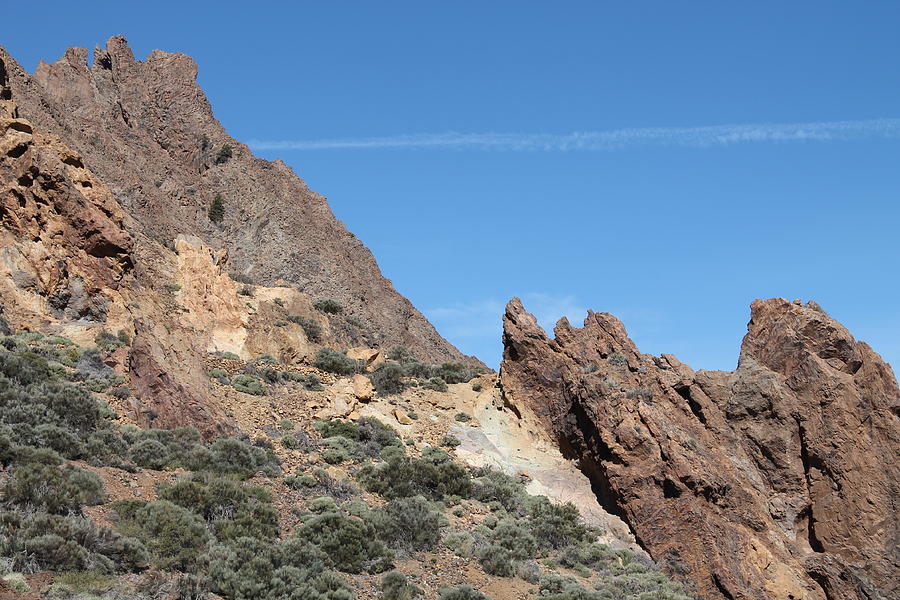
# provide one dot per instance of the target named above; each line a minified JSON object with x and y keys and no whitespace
{"x":777,"y":480}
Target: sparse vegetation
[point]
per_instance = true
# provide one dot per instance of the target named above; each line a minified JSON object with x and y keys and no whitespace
{"x":336,"y":362}
{"x":388,"y":379}
{"x":395,"y":586}
{"x":211,"y":531}
{"x":310,"y":327}
{"x":328,"y":305}
{"x":617,"y":359}
{"x":216,"y":209}
{"x":225,"y":154}
{"x":248,"y":385}
{"x":109,"y":342}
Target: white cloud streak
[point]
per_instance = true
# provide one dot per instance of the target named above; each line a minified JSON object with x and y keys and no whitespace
{"x":698,"y":137}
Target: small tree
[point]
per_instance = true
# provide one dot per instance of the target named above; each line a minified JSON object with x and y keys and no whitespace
{"x":224,"y":154}
{"x":217,"y":209}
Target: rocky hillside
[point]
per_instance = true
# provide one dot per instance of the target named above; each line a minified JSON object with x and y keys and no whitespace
{"x":146,"y":130}
{"x":777,"y":480}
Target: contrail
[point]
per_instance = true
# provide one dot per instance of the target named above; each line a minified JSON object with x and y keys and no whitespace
{"x":715,"y":135}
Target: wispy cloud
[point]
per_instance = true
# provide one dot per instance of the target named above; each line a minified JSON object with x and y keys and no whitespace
{"x":716,"y":135}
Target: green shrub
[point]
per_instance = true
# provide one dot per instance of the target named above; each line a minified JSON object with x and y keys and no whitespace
{"x":394,"y":586}
{"x":388,"y":379}
{"x":554,"y":525}
{"x":233,"y":509}
{"x":335,"y":456}
{"x":286,"y":424}
{"x":400,"y":354}
{"x":462,"y":417}
{"x":245,"y":290}
{"x":336,"y":427}
{"x":409,"y":523}
{"x":231,"y":456}
{"x":225,"y":154}
{"x":310,"y":327}
{"x":251,"y":570}
{"x":435,"y":477}
{"x":58,"y":439}
{"x":39,"y":541}
{"x":336,"y":362}
{"x":450,"y":441}
{"x":218,"y":373}
{"x":248,"y":385}
{"x":299,"y":482}
{"x":461,"y":592}
{"x":322,"y":483}
{"x":289,"y":441}
{"x":174,"y":535}
{"x":461,"y":542}
{"x":85,"y":581}
{"x":435,"y":383}
{"x":327,"y":305}
{"x":217,"y":209}
{"x":109,"y":342}
{"x":490,"y":485}
{"x":150,"y":454}
{"x":351,"y":544}
{"x":617,"y":359}
{"x":57,"y":490}
{"x":516,"y":538}
{"x":374,"y":436}
{"x":498,"y":561}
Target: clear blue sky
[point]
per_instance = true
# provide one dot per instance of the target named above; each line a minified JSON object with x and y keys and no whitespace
{"x":673,"y":231}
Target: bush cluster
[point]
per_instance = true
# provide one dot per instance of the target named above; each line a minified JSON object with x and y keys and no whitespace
{"x":410,"y":524}
{"x":35,"y":541}
{"x":328,"y":305}
{"x":109,"y":342}
{"x":402,"y":364}
{"x":343,"y":440}
{"x":349,"y":543}
{"x":336,"y":362}
{"x":433,"y":476}
{"x":231,"y":509}
{"x":395,"y":586}
{"x":629,"y":579}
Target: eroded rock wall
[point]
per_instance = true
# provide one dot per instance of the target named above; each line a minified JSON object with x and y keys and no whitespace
{"x":777,"y":480}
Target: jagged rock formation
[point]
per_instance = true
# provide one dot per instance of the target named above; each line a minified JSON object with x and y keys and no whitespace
{"x":777,"y":480}
{"x":147,"y":131}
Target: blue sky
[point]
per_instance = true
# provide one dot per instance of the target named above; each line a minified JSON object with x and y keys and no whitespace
{"x":457,"y":164}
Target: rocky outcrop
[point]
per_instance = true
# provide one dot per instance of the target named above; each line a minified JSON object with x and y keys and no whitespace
{"x":147,"y":130}
{"x":777,"y":480}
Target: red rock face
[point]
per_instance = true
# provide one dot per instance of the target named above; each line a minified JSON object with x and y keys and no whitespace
{"x":777,"y":480}
{"x":148,"y":132}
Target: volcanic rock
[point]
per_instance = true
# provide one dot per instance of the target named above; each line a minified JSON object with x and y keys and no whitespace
{"x":777,"y":480}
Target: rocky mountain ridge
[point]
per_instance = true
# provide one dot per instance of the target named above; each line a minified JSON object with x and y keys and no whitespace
{"x":147,"y":131}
